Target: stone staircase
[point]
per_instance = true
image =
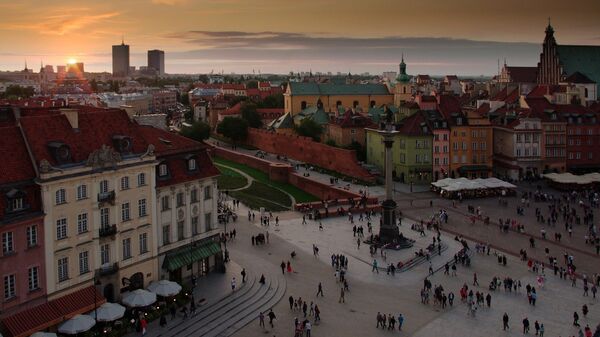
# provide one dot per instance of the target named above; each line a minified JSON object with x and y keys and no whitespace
{"x":234,"y":311}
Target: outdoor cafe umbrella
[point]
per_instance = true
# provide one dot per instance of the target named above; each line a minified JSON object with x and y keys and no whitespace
{"x":77,"y":324}
{"x":139,"y":298}
{"x":108,"y":312}
{"x":165,"y":288}
{"x":43,"y":334}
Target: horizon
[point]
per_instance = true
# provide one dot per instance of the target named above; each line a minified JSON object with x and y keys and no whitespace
{"x":201,"y":37}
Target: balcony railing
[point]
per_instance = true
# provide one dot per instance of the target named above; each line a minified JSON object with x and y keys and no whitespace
{"x":107,"y":197}
{"x":107,"y":269}
{"x":108,"y":231}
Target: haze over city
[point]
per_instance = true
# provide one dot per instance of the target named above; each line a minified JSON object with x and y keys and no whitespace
{"x":437,"y":37}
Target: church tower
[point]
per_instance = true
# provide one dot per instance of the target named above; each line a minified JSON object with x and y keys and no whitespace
{"x":549,"y":69}
{"x":403,"y":87}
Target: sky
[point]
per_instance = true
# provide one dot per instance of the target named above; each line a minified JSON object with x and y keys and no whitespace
{"x":464,"y":37}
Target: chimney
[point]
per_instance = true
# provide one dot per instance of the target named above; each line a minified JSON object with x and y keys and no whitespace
{"x":73,"y":117}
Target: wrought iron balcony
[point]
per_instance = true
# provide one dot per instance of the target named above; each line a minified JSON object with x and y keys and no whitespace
{"x":107,"y":269}
{"x":108,"y":231}
{"x":107,"y":197}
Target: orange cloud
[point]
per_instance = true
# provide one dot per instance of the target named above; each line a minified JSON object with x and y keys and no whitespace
{"x":65,"y":23}
{"x":169,"y":2}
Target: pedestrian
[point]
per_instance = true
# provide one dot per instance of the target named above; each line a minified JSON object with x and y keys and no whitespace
{"x":488,"y":299}
{"x":342,"y":293}
{"x":525,"y":325}
{"x":576,"y":319}
{"x":233,"y":283}
{"x":451,"y":298}
{"x":320,"y":290}
{"x":358,"y":243}
{"x":173,"y":310}
{"x":307,"y":328}
{"x":375,"y":267}
{"x":271,"y":318}
{"x":163,"y":320}
{"x":282,"y":265}
{"x":143,"y":325}
{"x":475,"y":283}
{"x":291,"y":300}
{"x":379,"y":319}
{"x":289,"y":266}
{"x":542,"y":330}
{"x":400,"y":321}
{"x":505,"y":322}
{"x":243,"y":275}
{"x":536,"y":326}
{"x":261,"y":319}
{"x":304,"y":308}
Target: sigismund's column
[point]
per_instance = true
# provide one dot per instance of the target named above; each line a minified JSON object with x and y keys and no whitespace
{"x":388,"y":231}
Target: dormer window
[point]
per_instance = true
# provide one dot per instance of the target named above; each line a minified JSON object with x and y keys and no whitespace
{"x":60,"y":151}
{"x":459,"y":121}
{"x":192,"y":164}
{"x":16,"y":200}
{"x":122,"y":144}
{"x":163,"y":170}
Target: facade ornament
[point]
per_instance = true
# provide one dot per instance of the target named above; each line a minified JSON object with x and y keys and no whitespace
{"x":103,"y":157}
{"x":46,"y":167}
{"x":149,"y":151}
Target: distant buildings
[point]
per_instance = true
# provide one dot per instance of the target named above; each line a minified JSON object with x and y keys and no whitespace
{"x":120,"y":60}
{"x":156,"y":61}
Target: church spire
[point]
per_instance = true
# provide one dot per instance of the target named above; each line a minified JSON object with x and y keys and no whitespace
{"x":549,"y":29}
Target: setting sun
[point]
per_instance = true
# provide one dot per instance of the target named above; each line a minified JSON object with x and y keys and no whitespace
{"x":71,"y":61}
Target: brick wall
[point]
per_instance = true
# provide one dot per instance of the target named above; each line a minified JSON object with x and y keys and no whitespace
{"x":305,"y":150}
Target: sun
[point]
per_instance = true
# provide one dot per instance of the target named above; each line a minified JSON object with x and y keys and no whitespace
{"x":71,"y":61}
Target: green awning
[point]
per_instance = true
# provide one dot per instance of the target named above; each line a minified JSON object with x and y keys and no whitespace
{"x":189,"y":254}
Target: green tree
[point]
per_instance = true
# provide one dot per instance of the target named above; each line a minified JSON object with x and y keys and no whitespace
{"x":331,"y":142}
{"x":94,"y":85}
{"x":252,"y":84}
{"x":361,"y":151}
{"x":203,"y":78}
{"x":250,"y":115}
{"x":198,"y":131}
{"x":17,"y":91}
{"x":233,"y":128}
{"x":272,"y":101}
{"x":309,"y":128}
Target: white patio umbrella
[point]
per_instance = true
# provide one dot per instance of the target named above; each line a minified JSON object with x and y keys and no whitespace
{"x":43,"y":334}
{"x":108,"y":312}
{"x":139,"y":298}
{"x":77,"y":324}
{"x":165,"y":288}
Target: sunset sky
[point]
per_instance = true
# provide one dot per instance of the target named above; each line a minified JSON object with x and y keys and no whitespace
{"x":465,"y":37}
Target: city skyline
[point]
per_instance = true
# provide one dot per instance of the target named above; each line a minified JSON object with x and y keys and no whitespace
{"x":274,"y":37}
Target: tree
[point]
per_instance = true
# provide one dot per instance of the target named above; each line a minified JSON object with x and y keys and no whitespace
{"x":272,"y":101}
{"x":309,"y":128}
{"x":233,"y":128}
{"x":18,"y":92}
{"x":252,"y":84}
{"x":198,"y":131}
{"x":361,"y":151}
{"x":250,"y":115}
{"x":94,"y":85}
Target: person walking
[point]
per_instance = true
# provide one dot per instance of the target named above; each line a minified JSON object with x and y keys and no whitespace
{"x":243,"y":275}
{"x":505,"y":322}
{"x":233,"y":283}
{"x":271,"y":318}
{"x":342,"y":295}
{"x":400,"y":321}
{"x":320,"y":290}
{"x":144,"y":325}
{"x":163,"y":320}
{"x":261,"y":320}
{"x":307,"y":328}
{"x":475,"y":283}
{"x":576,"y":319}
{"x":541,"y":330}
{"x":451,"y":298}
{"x":488,"y":299}
{"x":525,"y":325}
{"x":375,"y":267}
{"x":282,"y":265}
{"x":291,"y":300}
{"x":358,"y":243}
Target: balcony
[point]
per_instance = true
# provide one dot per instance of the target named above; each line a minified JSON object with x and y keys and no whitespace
{"x":108,"y":231}
{"x":106,"y":197}
{"x":107,"y":269}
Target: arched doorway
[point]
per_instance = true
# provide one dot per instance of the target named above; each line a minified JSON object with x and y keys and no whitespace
{"x":136,"y":281}
{"x":109,"y":292}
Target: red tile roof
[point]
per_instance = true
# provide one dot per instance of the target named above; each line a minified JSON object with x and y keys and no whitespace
{"x":545,"y":89}
{"x":522,"y":74}
{"x":234,"y":110}
{"x":16,"y":164}
{"x":264,"y":84}
{"x":449,"y":105}
{"x":578,"y":77}
{"x":413,"y":125}
{"x":52,"y":313}
{"x":507,"y":96}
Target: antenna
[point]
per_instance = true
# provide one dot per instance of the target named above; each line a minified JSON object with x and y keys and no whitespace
{"x":122,"y":39}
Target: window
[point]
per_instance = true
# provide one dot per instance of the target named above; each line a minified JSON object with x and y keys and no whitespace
{"x":10,"y":290}
{"x":82,"y":223}
{"x":571,"y":155}
{"x":445,"y":161}
{"x":164,"y":203}
{"x":61,"y":196}
{"x":16,"y":204}
{"x":519,"y":138}
{"x":143,"y":243}
{"x":104,"y":186}
{"x":63,"y":269}
{"x":402,"y":158}
{"x":142,"y":208}
{"x":194,"y":225}
{"x":194,"y":195}
{"x":446,"y":137}
{"x":82,"y":192}
{"x":84,"y":264}
{"x":590,"y":156}
{"x":180,"y":230}
{"x":474,"y":146}
{"x":463,"y":159}
{"x":578,"y":155}
{"x":445,"y":148}
{"x":8,"y":246}
{"x":166,"y":234}
{"x":518,"y":152}
{"x":141,"y":179}
{"x":124,"y":183}
{"x":180,"y":199}
{"x":571,"y":142}
{"x":455,"y":159}
{"x":208,"y":221}
{"x":192,"y":164}
{"x":455,"y":146}
{"x":482,"y":146}
{"x":436,"y":149}
{"x":577,"y":141}
{"x":104,"y":217}
{"x":402,"y":143}
{"x":125,"y":214}
{"x":34,"y":278}
{"x":162,"y":170}
{"x":32,"y":236}
{"x":436,"y":161}
{"x":126,"y":249}
{"x":207,"y":192}
{"x":418,"y":158}
{"x":61,"y":229}
{"x":104,"y":254}
{"x":464,"y":145}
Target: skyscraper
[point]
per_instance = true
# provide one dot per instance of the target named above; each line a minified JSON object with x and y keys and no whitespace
{"x":120,"y":60}
{"x":156,"y":61}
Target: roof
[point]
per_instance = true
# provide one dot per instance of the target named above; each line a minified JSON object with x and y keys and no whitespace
{"x":449,"y":105}
{"x":299,"y":88}
{"x":578,"y":77}
{"x":506,"y":95}
{"x":234,"y":110}
{"x":583,"y":59}
{"x":413,"y":125}
{"x":53,"y":312}
{"x":522,"y":74}
{"x":352,"y":119}
{"x":283,"y":122}
{"x":16,"y":164}
{"x":542,"y":90}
